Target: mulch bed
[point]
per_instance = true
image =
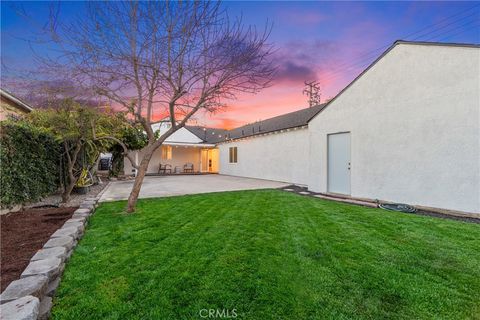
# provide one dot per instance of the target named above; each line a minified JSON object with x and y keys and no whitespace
{"x":23,"y":233}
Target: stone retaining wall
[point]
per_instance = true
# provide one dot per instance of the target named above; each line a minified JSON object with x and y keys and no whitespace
{"x":30,"y":297}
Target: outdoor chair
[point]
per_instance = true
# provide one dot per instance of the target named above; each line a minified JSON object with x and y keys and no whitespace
{"x":188,"y":167}
{"x":164,"y":168}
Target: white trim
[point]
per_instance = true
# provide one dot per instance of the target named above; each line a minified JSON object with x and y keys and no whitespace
{"x":187,"y":144}
{"x":16,"y":100}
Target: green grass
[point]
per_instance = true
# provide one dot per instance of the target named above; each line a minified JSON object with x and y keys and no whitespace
{"x":270,"y":255}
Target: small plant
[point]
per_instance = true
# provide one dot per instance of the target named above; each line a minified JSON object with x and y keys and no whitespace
{"x":85,"y":179}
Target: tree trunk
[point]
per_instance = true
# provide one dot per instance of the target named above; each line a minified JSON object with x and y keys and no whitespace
{"x":137,"y":184}
{"x":67,"y":192}
{"x":72,"y":159}
{"x":69,"y":186}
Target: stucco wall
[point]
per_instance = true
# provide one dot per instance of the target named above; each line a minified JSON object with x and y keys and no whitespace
{"x":280,"y":157}
{"x":414,"y":123}
{"x":8,"y":108}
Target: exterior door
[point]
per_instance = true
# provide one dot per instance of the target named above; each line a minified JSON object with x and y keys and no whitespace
{"x":213,"y":160}
{"x":339,"y":163}
{"x":209,"y":159}
{"x":204,"y":160}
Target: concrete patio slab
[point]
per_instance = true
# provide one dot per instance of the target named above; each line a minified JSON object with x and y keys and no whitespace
{"x":165,"y":186}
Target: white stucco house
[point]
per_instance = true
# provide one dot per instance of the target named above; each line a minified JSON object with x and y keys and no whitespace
{"x":407,"y":129}
{"x":193,"y":145}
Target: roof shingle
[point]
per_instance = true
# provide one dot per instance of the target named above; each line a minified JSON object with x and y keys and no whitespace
{"x":285,"y":121}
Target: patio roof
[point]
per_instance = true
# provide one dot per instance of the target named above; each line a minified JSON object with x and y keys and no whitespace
{"x":188,"y":144}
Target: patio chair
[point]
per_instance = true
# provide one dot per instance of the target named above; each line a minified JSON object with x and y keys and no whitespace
{"x":164,"y":168}
{"x":188,"y":167}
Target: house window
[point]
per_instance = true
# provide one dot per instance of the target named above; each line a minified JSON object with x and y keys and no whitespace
{"x":166,"y":152}
{"x":232,"y":154}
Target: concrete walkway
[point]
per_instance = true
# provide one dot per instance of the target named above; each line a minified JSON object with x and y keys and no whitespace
{"x":165,"y":186}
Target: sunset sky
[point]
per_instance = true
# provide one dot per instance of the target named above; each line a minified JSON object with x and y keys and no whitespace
{"x":331,"y":42}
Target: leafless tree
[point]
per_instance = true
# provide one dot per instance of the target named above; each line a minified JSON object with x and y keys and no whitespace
{"x":51,"y":94}
{"x":173,"y":58}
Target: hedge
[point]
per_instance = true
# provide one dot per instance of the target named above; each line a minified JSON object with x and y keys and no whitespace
{"x":29,"y":164}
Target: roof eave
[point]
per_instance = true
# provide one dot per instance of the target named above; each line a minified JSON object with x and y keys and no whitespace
{"x":17,"y":101}
{"x":264,"y":133}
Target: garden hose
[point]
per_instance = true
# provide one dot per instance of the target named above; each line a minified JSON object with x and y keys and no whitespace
{"x":401,"y":207}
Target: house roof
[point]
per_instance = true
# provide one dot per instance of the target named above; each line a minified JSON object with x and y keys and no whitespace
{"x":285,"y":121}
{"x":19,"y":103}
{"x":297,"y":118}
{"x":442,"y":44}
{"x":208,"y":135}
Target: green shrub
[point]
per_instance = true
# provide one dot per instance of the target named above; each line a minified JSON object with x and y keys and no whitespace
{"x":29,"y":164}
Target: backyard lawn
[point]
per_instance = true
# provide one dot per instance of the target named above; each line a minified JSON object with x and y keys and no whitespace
{"x":270,"y":255}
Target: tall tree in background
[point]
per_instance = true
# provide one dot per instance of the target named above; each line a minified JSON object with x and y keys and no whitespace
{"x":163,"y":58}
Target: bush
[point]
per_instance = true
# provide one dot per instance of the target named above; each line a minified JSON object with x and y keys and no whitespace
{"x":29,"y":164}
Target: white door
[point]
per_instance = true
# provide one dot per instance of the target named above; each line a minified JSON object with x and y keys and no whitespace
{"x":339,"y":163}
{"x":213,"y":160}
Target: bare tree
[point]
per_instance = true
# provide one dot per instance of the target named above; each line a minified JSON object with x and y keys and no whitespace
{"x":173,"y":58}
{"x":51,"y":94}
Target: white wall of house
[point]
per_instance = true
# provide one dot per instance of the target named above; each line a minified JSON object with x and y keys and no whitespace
{"x":279,"y":157}
{"x":415,"y":132}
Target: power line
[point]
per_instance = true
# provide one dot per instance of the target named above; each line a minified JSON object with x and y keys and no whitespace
{"x":456,"y":34}
{"x":338,"y":72}
{"x":370,"y":54}
{"x":416,"y":32}
{"x":459,"y":27}
{"x":449,"y":24}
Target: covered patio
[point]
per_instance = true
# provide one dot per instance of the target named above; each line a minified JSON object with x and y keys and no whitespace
{"x":177,"y":158}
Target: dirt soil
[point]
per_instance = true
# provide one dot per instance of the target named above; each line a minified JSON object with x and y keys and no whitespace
{"x":25,"y":232}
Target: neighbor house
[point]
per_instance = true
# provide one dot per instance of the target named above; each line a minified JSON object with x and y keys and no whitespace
{"x":407,"y":129}
{"x":11,"y":106}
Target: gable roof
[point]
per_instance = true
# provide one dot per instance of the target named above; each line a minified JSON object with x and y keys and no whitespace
{"x":290,"y":120}
{"x":19,"y":103}
{"x":208,"y":135}
{"x":441,"y":44}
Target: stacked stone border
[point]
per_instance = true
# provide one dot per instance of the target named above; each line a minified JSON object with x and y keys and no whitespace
{"x":30,"y":297}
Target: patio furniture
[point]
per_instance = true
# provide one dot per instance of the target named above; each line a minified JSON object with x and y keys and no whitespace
{"x":188,"y":167}
{"x":164,"y":168}
{"x":177,"y":170}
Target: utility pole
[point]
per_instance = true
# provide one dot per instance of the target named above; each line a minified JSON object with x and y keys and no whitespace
{"x":312,"y":90}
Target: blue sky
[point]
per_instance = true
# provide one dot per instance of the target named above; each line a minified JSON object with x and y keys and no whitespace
{"x":326,"y":41}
